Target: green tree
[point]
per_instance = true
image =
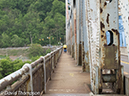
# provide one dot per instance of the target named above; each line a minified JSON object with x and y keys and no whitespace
{"x":58,"y":6}
{"x":48,"y":51}
{"x":31,"y":20}
{"x":42,"y":7}
{"x":36,"y":50}
{"x":5,"y":40}
{"x":6,"y":67}
{"x":17,"y":64}
{"x":16,"y":41}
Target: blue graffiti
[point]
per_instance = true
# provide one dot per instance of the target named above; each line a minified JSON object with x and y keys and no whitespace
{"x":122,"y":35}
{"x":121,"y":31}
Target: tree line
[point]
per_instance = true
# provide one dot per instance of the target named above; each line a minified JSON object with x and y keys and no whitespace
{"x":23,"y":22}
{"x":8,"y":66}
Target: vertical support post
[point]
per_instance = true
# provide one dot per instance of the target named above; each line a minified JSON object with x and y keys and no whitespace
{"x":44,"y":67}
{"x":72,"y":29}
{"x":109,"y":23}
{"x":82,"y":34}
{"x":122,"y":80}
{"x":67,"y":24}
{"x":50,"y":66}
{"x":71,"y":34}
{"x":86,"y":57}
{"x":75,"y":34}
{"x":92,"y":51}
{"x":97,"y":80}
{"x":79,"y":32}
{"x":31,"y":75}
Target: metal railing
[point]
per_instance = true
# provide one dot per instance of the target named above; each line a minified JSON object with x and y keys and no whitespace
{"x":31,"y":79}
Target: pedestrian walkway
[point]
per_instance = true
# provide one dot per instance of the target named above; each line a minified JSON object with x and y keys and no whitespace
{"x":68,"y":79}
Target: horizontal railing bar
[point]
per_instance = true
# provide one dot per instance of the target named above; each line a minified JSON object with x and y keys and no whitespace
{"x":12,"y":77}
{"x":8,"y":80}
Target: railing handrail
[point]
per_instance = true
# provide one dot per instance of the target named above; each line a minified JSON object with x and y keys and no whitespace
{"x":6,"y":81}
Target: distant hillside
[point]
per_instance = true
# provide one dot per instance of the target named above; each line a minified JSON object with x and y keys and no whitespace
{"x":23,"y":22}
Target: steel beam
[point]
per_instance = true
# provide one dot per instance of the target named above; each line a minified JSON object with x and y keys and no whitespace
{"x":110,"y":53}
{"x":92,"y":20}
{"x":78,"y":17}
{"x":85,"y":41}
{"x":103,"y":56}
{"x":75,"y":34}
{"x":72,"y":37}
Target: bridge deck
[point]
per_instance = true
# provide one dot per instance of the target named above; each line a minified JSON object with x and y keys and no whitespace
{"x":68,"y":78}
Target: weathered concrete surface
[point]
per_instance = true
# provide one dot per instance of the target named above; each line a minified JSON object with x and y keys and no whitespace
{"x":68,"y":79}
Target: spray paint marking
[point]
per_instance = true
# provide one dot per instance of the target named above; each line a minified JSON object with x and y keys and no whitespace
{"x":126,"y":73}
{"x":71,"y":74}
{"x":124,"y":62}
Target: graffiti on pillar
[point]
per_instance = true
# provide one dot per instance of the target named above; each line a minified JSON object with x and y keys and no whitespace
{"x":121,"y":31}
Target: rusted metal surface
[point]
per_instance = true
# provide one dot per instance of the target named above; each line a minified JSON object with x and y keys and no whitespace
{"x":66,"y":14}
{"x":75,"y":35}
{"x":71,"y":35}
{"x":78,"y":24}
{"x":110,"y":60}
{"x":99,"y":54}
{"x":85,"y":41}
{"x":93,"y":19}
{"x":109,"y":78}
{"x":82,"y":33}
{"x":83,"y":58}
{"x":72,"y":30}
{"x":92,"y":35}
{"x":22,"y":78}
{"x":72,"y":51}
{"x":80,"y":54}
{"x":110,"y":53}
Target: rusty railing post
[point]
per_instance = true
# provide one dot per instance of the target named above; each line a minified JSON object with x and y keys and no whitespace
{"x":44,"y":67}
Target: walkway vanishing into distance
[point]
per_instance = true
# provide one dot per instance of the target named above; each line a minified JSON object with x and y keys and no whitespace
{"x":68,"y":79}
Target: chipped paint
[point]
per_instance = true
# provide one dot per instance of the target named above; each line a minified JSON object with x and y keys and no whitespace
{"x":110,"y":54}
{"x":105,"y":4}
{"x":107,"y":20}
{"x":91,"y":46}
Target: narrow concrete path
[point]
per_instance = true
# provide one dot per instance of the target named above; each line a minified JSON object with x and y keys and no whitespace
{"x":68,"y":78}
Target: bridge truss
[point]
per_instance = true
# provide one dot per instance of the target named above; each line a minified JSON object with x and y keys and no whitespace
{"x":87,"y":23}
